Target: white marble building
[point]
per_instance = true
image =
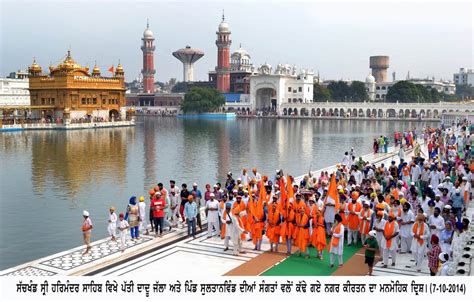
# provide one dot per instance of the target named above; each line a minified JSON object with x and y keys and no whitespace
{"x":464,"y":77}
{"x":14,"y":92}
{"x":270,"y":89}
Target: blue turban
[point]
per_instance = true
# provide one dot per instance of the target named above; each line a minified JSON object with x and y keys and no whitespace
{"x":431,"y":203}
{"x":459,"y":225}
{"x":228,"y":205}
{"x":133,"y":200}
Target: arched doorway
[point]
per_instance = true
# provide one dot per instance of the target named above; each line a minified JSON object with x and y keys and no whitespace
{"x":380,"y":113}
{"x":436,"y":113}
{"x":368,"y":113}
{"x":285,"y":112}
{"x":361,"y":113}
{"x":413,"y":113}
{"x":374,"y":113}
{"x":313,"y":112}
{"x":331,"y":112}
{"x":266,"y":100}
{"x":341,"y":112}
{"x":422,"y":113}
{"x":391,"y":113}
{"x":336,"y":112}
{"x":354,"y":112}
{"x":429,"y":113}
{"x":290,"y":111}
{"x":295,"y":111}
{"x":114,"y":114}
{"x":318,"y":112}
{"x":323,"y":112}
{"x":401,"y":114}
{"x":407,"y":113}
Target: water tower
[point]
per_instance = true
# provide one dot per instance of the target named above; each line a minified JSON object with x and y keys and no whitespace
{"x":379,"y":66}
{"x":188,"y":56}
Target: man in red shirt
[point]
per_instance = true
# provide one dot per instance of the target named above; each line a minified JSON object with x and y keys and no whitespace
{"x":158,"y":205}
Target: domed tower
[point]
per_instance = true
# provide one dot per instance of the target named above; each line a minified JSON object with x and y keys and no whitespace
{"x":96,"y":71}
{"x":34,"y":69}
{"x":240,"y":60}
{"x":119,"y":73}
{"x":148,"y":70}
{"x":223,"y":43}
{"x":370,"y":86}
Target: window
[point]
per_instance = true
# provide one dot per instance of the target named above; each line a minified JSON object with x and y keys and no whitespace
{"x":383,"y":87}
{"x":83,"y":101}
{"x":42,"y":101}
{"x":377,"y":96}
{"x":94,"y":100}
{"x":289,"y":89}
{"x":300,"y":89}
{"x":378,"y":88}
{"x":289,"y":100}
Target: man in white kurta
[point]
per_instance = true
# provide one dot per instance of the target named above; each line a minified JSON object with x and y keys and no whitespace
{"x":436,"y":223}
{"x":420,"y":233}
{"x":389,"y":240}
{"x":112,"y":226}
{"x":212,"y":206}
{"x":142,"y":215}
{"x":337,"y":234}
{"x":379,"y":226}
{"x":406,"y":220}
{"x":329,"y":212}
{"x":174,"y":202}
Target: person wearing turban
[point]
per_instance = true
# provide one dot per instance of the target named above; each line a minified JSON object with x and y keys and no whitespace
{"x":112,"y":226}
{"x":406,"y":220}
{"x":132,"y":217}
{"x":379,"y":225}
{"x":420,"y":233}
{"x":86,"y":231}
{"x":389,"y":240}
{"x":433,"y":255}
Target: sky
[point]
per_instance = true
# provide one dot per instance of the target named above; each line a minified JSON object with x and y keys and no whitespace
{"x":428,"y":38}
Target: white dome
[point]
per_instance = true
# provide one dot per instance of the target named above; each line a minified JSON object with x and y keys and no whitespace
{"x":370,"y":79}
{"x":148,"y":34}
{"x":224,"y":27}
{"x":240,"y":53}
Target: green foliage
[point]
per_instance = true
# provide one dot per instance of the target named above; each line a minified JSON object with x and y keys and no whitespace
{"x":342,"y":92}
{"x":407,"y":92}
{"x":180,"y":87}
{"x":321,"y":93}
{"x":464,"y":91}
{"x":202,"y":99}
{"x":358,"y":92}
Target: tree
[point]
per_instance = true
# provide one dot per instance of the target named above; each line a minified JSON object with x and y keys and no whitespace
{"x":202,"y":99}
{"x":339,"y":90}
{"x":320,"y":93}
{"x":405,"y":92}
{"x":180,"y":87}
{"x":358,"y":92}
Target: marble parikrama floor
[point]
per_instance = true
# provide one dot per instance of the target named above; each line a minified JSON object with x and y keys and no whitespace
{"x":171,"y":252}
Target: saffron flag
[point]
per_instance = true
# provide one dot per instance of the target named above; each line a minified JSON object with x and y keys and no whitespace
{"x":111,"y":69}
{"x":332,"y":192}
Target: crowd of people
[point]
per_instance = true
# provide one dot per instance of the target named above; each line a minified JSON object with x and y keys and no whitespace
{"x":415,"y":206}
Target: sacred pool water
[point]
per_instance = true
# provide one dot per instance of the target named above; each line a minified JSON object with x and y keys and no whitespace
{"x":48,"y":177}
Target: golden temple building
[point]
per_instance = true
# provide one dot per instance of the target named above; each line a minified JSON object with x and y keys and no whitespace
{"x":71,"y":92}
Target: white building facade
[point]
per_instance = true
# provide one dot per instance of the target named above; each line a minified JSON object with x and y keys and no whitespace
{"x":464,"y":77}
{"x":14,"y":92}
{"x":378,"y":91}
{"x":270,"y":89}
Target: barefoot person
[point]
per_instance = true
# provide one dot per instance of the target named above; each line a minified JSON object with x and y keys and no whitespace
{"x":336,"y":244}
{"x":389,"y":240}
{"x":86,"y":231}
{"x":112,"y":226}
{"x":123,"y":227}
{"x":371,"y":246}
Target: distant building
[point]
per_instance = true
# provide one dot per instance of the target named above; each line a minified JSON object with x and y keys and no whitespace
{"x":14,"y":90}
{"x":70,"y":91}
{"x":270,"y":89}
{"x":154,"y":99}
{"x":464,"y":77}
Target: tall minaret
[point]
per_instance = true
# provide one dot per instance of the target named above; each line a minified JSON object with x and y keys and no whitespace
{"x":148,"y":70}
{"x":223,"y":56}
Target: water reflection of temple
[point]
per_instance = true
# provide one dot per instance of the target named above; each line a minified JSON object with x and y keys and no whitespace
{"x":70,"y":160}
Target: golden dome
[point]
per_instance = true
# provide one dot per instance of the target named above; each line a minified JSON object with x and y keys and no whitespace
{"x":69,"y":65}
{"x":119,"y":68}
{"x":34,"y":68}
{"x":96,"y":70}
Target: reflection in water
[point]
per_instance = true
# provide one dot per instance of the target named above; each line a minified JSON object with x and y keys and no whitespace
{"x":56,"y":174}
{"x":69,"y":160}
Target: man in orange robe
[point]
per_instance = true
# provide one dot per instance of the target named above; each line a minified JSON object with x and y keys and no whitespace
{"x":366,"y":221}
{"x":352,"y":210}
{"x":258,"y":217}
{"x":240,"y":212}
{"x":318,"y":237}
{"x":301,"y":234}
{"x":274,"y":220}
